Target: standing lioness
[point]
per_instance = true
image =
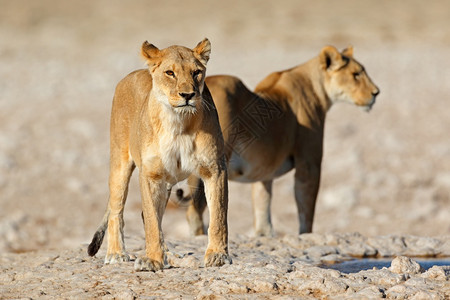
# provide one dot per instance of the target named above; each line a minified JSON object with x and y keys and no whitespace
{"x":280,"y":127}
{"x":164,"y":122}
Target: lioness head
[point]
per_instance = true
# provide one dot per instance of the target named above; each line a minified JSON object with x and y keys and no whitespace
{"x":345,"y":79}
{"x":178,"y":74}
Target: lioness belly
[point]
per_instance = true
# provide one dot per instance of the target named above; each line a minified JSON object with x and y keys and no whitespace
{"x":252,"y":168}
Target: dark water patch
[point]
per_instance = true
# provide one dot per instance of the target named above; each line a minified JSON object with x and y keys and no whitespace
{"x":354,"y":266}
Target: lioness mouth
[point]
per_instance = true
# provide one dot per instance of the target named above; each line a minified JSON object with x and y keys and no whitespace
{"x":370,"y":105}
{"x":185,"y":105}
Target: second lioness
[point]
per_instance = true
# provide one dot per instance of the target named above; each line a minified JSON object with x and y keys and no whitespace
{"x":280,"y":127}
{"x":164,"y":122}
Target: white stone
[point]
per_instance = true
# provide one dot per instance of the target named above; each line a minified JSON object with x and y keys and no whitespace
{"x":404,"y":265}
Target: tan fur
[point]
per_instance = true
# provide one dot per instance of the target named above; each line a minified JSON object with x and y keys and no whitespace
{"x":280,"y":127}
{"x":164,"y":122}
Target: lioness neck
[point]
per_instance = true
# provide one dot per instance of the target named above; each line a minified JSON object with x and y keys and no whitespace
{"x":310,"y":77}
{"x":301,"y":89}
{"x":172,"y":121}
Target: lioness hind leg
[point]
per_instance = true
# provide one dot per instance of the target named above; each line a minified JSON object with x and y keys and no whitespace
{"x":119,"y":178}
{"x":194,"y":213}
{"x":261,"y":198}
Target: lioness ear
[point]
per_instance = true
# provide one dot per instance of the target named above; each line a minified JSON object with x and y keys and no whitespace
{"x":149,"y":52}
{"x":348,"y":51}
{"x":202,"y":51}
{"x":330,"y":58}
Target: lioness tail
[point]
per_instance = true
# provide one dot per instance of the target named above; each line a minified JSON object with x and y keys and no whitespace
{"x":97,"y":240}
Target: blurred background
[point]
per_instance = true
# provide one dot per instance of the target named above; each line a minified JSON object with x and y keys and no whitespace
{"x":386,"y":172}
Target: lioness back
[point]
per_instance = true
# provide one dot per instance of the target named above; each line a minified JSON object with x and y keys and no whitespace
{"x":228,"y":108}
{"x":250,"y":123}
{"x":131,"y":93}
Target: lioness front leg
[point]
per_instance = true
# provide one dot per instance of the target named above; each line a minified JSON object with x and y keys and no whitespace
{"x":306,"y":186}
{"x":216,"y":190}
{"x":120,"y":173}
{"x":154,"y":200}
{"x":261,"y":198}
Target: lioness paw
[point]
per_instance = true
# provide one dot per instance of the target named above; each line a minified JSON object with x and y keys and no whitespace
{"x":116,"y":258}
{"x":147,"y":264}
{"x":217,"y":259}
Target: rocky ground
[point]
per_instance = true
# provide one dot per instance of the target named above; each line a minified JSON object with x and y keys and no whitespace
{"x":262,"y":268}
{"x":385,"y":188}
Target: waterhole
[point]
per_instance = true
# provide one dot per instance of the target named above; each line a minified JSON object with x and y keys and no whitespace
{"x":354,"y":266}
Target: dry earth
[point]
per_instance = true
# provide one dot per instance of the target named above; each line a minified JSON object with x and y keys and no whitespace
{"x":386,"y":175}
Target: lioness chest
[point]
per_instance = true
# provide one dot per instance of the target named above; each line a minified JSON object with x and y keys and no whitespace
{"x":178,"y":156}
{"x":171,"y":158}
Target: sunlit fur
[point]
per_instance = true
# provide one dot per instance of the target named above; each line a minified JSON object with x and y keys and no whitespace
{"x":164,"y":122}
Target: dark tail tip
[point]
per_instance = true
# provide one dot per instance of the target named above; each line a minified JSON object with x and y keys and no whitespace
{"x":180,"y":194}
{"x":97,"y":241}
{"x":181,"y":198}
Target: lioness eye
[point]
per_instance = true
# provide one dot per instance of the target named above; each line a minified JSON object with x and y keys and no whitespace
{"x":356,"y":76}
{"x":196,"y":73}
{"x":170,"y":73}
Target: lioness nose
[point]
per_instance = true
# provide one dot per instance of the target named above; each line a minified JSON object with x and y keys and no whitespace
{"x":375,"y":92}
{"x":187,"y":96}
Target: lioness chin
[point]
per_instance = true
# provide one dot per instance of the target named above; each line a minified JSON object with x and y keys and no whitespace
{"x":280,"y":127}
{"x":164,"y":122}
